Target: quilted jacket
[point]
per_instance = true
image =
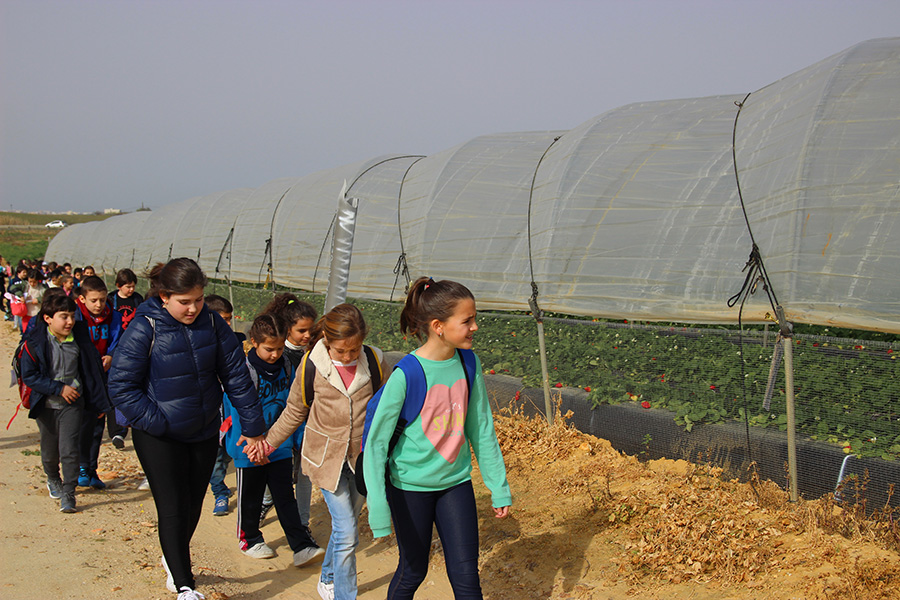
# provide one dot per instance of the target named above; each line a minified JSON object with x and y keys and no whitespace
{"x":167,"y":377}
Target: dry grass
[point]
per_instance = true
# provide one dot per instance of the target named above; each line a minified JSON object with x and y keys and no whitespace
{"x":673,"y":522}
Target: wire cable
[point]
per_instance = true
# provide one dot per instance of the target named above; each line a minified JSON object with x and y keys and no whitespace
{"x":402,"y":267}
{"x":756,"y":274}
{"x":532,"y":302}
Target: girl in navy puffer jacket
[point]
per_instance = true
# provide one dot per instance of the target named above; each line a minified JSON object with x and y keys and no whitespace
{"x":167,"y":377}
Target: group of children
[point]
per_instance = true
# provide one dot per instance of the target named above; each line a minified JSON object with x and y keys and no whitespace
{"x":312,"y":379}
{"x":22,"y":288}
{"x":58,"y":366}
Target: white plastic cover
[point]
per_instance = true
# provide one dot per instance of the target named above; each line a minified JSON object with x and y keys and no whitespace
{"x":634,"y":214}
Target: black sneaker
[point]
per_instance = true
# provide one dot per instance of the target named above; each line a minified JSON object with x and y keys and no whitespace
{"x":118,"y":441}
{"x":56,"y":488}
{"x":67,"y":504}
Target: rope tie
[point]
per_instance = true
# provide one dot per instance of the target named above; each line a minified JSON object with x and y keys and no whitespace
{"x":267,"y":256}
{"x":756,"y":274}
{"x":401,"y":268}
{"x":533,"y":303}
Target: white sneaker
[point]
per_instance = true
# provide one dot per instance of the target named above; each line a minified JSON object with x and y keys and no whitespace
{"x":170,"y":581}
{"x":260,"y":550}
{"x":326,"y":590}
{"x":145,"y":485}
{"x":187,"y":593}
{"x":307,"y":555}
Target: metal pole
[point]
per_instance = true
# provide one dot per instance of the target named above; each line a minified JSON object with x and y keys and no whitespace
{"x":542,"y":346}
{"x":545,"y":372}
{"x":788,"y":343}
{"x":341,"y":250}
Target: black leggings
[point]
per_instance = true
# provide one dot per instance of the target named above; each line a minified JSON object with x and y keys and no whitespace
{"x":178,"y":473}
{"x":453,"y":512}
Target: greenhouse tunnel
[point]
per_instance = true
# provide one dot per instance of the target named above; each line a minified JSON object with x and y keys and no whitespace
{"x":637,"y":213}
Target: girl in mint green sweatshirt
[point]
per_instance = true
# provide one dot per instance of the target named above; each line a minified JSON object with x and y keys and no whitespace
{"x":429,"y":469}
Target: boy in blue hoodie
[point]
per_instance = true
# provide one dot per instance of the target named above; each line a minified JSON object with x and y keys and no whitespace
{"x":273,"y":374}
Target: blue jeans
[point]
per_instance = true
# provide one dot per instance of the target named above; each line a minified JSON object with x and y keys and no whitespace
{"x":339,"y":564}
{"x":217,"y":480}
{"x":453,"y":512}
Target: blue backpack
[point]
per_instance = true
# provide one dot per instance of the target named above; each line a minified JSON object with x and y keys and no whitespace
{"x":416,"y":389}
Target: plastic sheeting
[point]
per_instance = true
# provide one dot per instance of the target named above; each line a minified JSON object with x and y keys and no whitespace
{"x":635,"y":214}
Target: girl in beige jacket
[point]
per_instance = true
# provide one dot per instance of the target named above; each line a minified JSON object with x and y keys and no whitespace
{"x":334,"y":417}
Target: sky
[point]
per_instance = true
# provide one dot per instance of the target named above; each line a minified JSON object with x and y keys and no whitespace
{"x":130,"y":103}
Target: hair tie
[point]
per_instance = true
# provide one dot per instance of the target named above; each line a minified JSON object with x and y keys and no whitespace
{"x":290,"y":302}
{"x":427,"y":283}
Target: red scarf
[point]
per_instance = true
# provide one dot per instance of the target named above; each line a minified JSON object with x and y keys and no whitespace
{"x":97,"y":325}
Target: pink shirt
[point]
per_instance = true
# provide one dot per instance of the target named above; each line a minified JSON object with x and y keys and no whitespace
{"x":347,"y":372}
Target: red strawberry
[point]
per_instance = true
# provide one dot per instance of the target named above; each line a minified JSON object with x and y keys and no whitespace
{"x":587,"y":389}
{"x":559,"y":385}
{"x":492,"y":372}
{"x":645,"y":404}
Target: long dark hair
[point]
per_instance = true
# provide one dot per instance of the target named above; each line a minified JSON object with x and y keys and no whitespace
{"x":428,"y":300}
{"x":290,"y":309}
{"x":178,"y":276}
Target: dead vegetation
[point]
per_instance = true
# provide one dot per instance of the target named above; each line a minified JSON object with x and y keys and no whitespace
{"x":671,"y":522}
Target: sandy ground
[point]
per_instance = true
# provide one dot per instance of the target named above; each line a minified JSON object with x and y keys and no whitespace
{"x":587,"y":523}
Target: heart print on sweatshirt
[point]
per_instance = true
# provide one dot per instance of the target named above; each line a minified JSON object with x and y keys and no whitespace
{"x":444,"y":418}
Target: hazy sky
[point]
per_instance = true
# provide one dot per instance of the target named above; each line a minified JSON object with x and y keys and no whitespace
{"x":122,"y":103}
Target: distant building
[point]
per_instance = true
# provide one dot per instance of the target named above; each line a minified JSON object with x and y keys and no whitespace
{"x":111,"y":211}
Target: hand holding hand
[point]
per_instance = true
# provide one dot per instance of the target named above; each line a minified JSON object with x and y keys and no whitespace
{"x":257,"y":448}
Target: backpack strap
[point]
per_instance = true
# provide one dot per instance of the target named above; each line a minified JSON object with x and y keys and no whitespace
{"x":254,"y":377}
{"x":307,"y":376}
{"x":467,"y":358}
{"x":416,"y":389}
{"x":153,"y":336}
{"x":374,"y":368}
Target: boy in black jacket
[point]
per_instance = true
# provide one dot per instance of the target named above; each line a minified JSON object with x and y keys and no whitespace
{"x":64,"y":372}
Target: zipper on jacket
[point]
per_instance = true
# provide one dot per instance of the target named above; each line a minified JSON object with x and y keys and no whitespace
{"x":187,"y":338}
